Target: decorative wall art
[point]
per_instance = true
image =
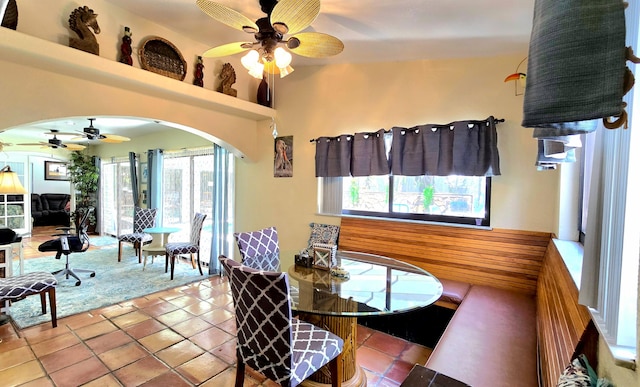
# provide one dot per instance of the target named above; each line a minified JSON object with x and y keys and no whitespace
{"x":54,"y":170}
{"x":283,"y":157}
{"x":160,"y":56}
{"x":81,"y":21}
{"x":228,"y":76}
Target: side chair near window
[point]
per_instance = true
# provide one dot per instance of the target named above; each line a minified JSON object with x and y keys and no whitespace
{"x":68,"y":243}
{"x":259,"y":249}
{"x":192,"y":247}
{"x":142,"y":218}
{"x":270,"y":340}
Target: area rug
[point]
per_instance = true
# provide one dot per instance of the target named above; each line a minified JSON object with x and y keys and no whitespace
{"x":114,"y":282}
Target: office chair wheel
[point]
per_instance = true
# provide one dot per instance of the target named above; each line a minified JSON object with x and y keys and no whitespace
{"x":92,"y":275}
{"x":78,"y":283}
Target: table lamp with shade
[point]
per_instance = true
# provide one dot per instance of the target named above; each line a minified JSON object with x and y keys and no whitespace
{"x":10,"y":183}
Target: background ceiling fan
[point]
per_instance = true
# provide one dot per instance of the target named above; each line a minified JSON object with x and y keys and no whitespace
{"x":283,"y":17}
{"x":55,"y":142}
{"x":93,"y":133}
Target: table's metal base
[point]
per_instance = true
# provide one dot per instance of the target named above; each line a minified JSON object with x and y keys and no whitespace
{"x":359,"y":379}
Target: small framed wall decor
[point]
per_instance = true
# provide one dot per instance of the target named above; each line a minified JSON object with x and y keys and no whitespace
{"x":54,"y":170}
{"x":324,"y":256}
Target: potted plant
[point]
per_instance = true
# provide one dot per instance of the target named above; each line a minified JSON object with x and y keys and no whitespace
{"x":84,"y":174}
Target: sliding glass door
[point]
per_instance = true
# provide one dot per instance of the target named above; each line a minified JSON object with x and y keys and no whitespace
{"x":187,"y":189}
{"x":116,"y":197}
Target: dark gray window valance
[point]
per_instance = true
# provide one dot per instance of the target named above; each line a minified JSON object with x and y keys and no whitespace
{"x":465,"y":148}
{"x":333,"y":156}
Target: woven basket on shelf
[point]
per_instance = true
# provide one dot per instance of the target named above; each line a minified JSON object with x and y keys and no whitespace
{"x":160,"y":56}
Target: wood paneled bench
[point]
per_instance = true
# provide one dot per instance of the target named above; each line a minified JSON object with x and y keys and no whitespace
{"x":519,"y":320}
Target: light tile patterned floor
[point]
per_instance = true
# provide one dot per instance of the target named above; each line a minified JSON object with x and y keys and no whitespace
{"x":179,"y":337}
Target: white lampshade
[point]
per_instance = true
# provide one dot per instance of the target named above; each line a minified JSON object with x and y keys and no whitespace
{"x":250,"y":59}
{"x":284,"y":71}
{"x":257,"y":70}
{"x":283,"y":58}
{"x":10,"y":183}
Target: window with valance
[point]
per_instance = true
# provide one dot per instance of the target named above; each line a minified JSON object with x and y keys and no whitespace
{"x":427,"y":172}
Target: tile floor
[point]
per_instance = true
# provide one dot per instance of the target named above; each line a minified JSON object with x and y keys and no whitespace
{"x":183,"y":336}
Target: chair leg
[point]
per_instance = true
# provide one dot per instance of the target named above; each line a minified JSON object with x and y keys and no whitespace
{"x":43,"y":302}
{"x":52,"y":306}
{"x":138,"y":247}
{"x":239,"y":372}
{"x":335,"y":367}
{"x":199,"y":264}
{"x":119,"y":251}
{"x":173,"y":264}
{"x":166,"y":262}
{"x":193,"y":264}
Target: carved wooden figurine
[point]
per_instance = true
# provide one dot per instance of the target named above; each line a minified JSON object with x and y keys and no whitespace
{"x":80,"y":21}
{"x":228,"y":76}
{"x":125,"y":48}
{"x":198,"y":74}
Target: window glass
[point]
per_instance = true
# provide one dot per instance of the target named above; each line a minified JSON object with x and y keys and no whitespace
{"x":451,"y":199}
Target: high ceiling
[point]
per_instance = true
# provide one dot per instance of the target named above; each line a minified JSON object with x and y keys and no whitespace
{"x":372,"y":31}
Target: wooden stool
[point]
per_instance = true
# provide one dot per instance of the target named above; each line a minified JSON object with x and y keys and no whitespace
{"x":21,"y":286}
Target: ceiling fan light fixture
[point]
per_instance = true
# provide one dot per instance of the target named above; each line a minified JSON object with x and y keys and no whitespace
{"x":284,"y":71}
{"x":250,"y":59}
{"x":282,"y":57}
{"x":257,"y":70}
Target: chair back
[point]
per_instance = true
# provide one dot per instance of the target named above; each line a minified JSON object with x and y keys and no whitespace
{"x":263,"y":319}
{"x":81,"y":231}
{"x":259,"y":249}
{"x":143,"y":218}
{"x":196,"y":228}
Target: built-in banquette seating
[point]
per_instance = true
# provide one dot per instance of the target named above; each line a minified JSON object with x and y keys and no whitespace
{"x":517,"y":321}
{"x":50,"y":209}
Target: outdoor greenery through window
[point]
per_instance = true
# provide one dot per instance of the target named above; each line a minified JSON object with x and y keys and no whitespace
{"x":450,"y":199}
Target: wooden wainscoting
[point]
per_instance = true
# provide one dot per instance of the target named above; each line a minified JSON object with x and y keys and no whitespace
{"x":508,"y":259}
{"x":562,"y":323}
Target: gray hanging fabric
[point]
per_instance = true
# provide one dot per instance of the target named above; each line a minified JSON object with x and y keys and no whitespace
{"x":576,"y":66}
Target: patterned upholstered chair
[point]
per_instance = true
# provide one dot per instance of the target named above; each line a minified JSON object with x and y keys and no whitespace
{"x":271,"y":341}
{"x":174,"y":249}
{"x":21,"y":286}
{"x":142,"y":218}
{"x":259,"y":249}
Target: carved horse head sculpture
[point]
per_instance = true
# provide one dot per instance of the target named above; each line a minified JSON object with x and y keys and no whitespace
{"x":82,"y":20}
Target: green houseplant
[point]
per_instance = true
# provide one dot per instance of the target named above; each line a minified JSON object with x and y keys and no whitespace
{"x":84,"y":174}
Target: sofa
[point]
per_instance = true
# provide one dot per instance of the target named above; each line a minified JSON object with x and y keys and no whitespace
{"x":50,"y":209}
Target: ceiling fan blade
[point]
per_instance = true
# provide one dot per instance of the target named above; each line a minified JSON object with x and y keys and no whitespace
{"x":291,"y":16}
{"x":226,"y":49}
{"x":75,"y":147}
{"x":114,"y":138}
{"x":35,"y":144}
{"x":317,"y":45}
{"x":227,"y":16}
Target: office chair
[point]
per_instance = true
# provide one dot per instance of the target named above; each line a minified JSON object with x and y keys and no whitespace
{"x":68,"y":243}
{"x":270,"y":340}
{"x":259,"y":249}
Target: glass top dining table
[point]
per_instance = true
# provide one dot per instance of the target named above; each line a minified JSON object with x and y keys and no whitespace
{"x":376,"y":285}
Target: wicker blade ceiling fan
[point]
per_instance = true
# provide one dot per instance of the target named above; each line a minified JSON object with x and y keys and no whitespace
{"x":284,"y":17}
{"x":93,"y":133}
